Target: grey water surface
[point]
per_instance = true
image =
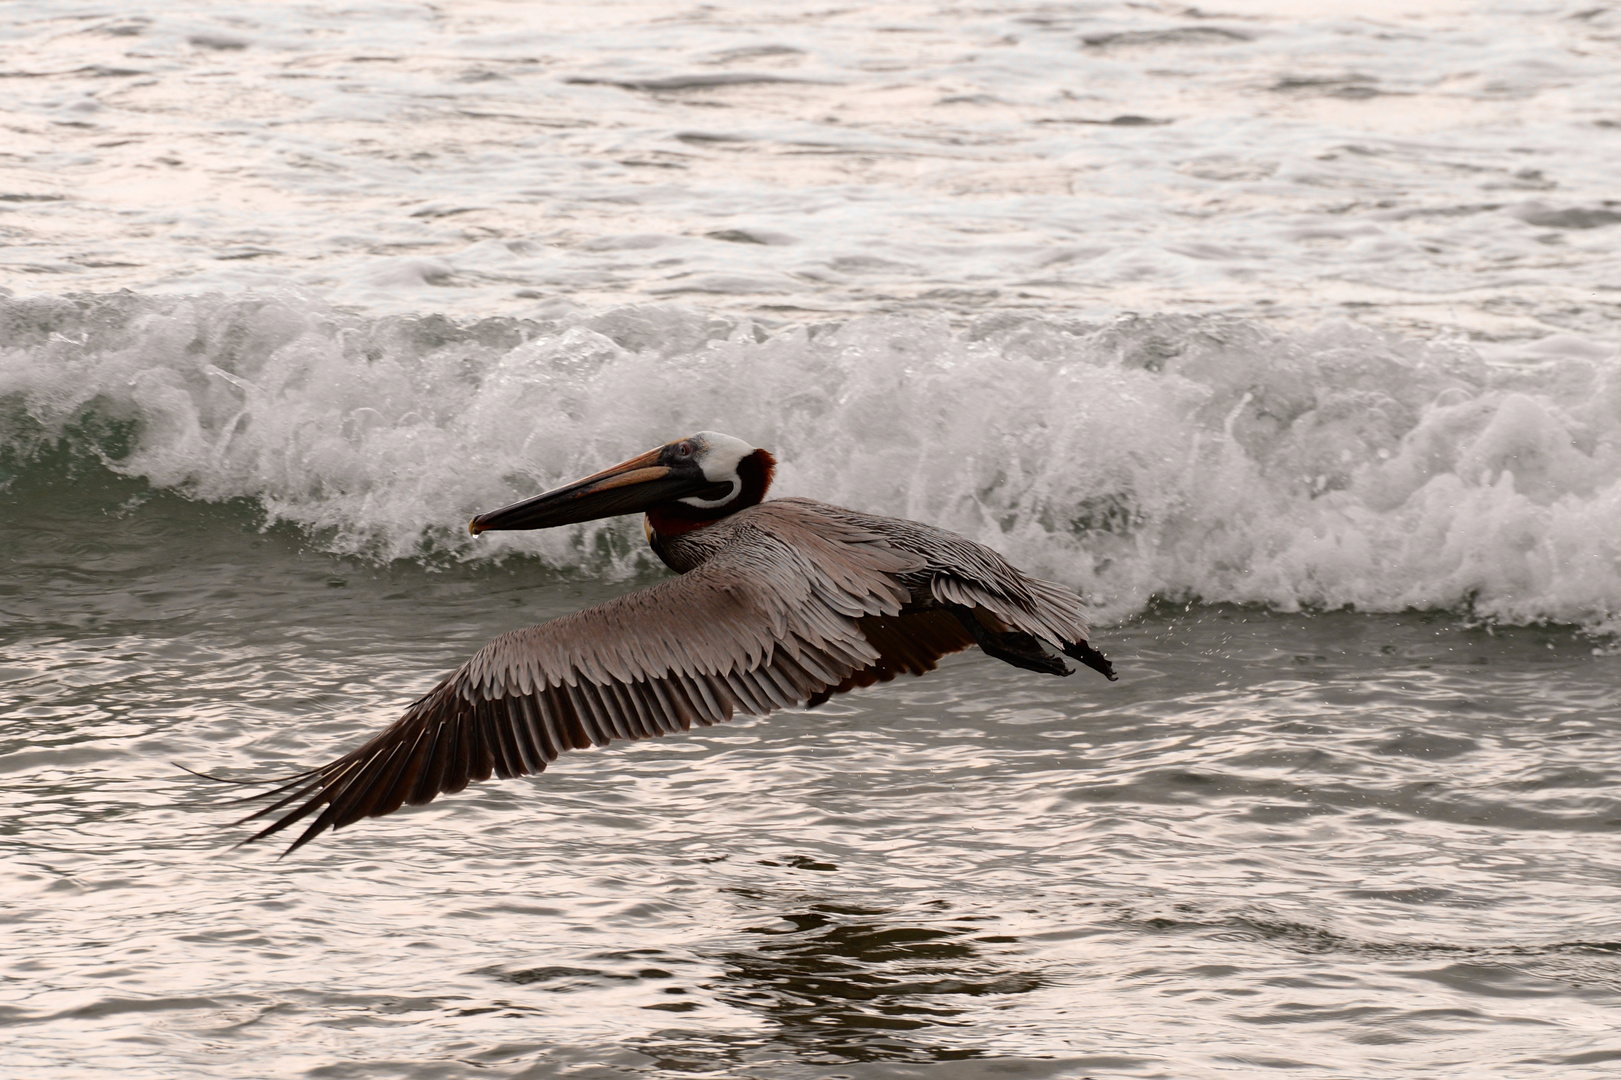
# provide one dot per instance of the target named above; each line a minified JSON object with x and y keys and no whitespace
{"x":1286,"y":331}
{"x":1329,"y":844}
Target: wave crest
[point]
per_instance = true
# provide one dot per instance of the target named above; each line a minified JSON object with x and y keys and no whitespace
{"x":1175,"y":457}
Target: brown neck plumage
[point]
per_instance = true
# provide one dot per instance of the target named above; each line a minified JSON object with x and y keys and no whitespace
{"x":675,"y":518}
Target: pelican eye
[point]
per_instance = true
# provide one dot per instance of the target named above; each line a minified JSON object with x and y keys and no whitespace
{"x":684,"y":450}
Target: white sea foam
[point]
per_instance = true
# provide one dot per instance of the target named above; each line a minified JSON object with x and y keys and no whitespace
{"x":1176,"y":457}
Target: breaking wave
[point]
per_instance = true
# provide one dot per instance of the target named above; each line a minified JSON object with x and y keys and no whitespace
{"x":1194,"y":458}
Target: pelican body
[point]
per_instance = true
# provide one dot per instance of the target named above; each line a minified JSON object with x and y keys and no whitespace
{"x":779,"y":603}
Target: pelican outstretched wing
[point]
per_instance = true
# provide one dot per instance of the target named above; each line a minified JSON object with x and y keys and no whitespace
{"x":783,"y":615}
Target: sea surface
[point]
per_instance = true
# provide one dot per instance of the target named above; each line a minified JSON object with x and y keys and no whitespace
{"x":1288,"y":333}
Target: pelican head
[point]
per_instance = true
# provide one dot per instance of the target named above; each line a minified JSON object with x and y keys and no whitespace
{"x":703,"y":477}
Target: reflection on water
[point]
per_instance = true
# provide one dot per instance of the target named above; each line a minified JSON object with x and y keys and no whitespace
{"x":833,"y":982}
{"x":862,"y":984}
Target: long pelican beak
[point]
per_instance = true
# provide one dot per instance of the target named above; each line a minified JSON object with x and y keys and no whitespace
{"x":628,"y":488}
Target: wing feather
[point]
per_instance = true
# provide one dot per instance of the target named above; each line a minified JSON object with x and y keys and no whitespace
{"x":432,"y":779}
{"x":410,"y":774}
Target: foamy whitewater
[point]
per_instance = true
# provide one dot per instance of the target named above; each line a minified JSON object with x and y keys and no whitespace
{"x":1286,"y":331}
{"x":1180,"y":457}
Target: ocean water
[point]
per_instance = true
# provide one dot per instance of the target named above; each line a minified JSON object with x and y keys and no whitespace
{"x":1287,"y":333}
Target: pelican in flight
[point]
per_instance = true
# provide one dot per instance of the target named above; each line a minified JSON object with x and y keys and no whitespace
{"x":778,"y":604}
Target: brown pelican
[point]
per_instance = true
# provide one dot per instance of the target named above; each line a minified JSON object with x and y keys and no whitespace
{"x":778,"y":604}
